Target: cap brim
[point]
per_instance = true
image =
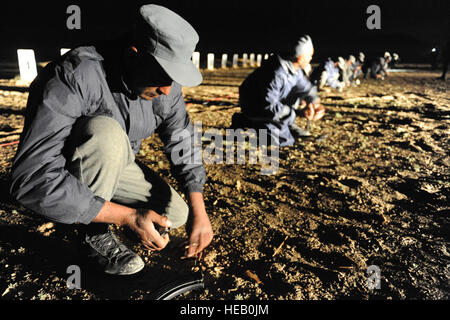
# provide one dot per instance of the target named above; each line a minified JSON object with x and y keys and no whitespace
{"x":185,"y":74}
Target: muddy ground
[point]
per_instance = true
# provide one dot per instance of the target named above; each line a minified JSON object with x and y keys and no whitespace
{"x":374,"y":192}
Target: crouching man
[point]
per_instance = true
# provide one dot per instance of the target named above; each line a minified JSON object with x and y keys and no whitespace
{"x":327,"y":74}
{"x":86,"y":116}
{"x":378,"y":68}
{"x":270,"y":97}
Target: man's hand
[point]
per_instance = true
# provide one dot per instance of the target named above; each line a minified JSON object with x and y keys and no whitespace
{"x":314,"y":112}
{"x":143,"y":223}
{"x":200,"y":229}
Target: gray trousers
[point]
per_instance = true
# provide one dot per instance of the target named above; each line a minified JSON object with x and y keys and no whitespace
{"x":102,"y":158}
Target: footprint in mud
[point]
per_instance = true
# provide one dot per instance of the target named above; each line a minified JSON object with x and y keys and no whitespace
{"x":352,"y":183}
{"x":400,"y":121}
{"x":362,"y":236}
{"x":265,"y":270}
{"x":285,"y":189}
{"x":329,"y":235}
{"x":272,"y":240}
{"x":420,"y":94}
{"x":421,"y":143}
{"x":429,"y":111}
{"x":271,"y":277}
{"x":438,"y":137}
{"x":373,"y":134}
{"x":331,"y":260}
{"x":442,"y":127}
{"x":404,"y":145}
{"x":325,"y":265}
{"x":412,"y":189}
{"x":263,"y":183}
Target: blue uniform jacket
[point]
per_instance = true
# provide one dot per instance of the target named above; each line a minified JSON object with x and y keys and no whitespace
{"x":332,"y":71}
{"x":269,"y":93}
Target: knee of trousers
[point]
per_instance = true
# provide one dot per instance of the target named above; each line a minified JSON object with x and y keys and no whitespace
{"x":102,"y":141}
{"x":178,"y":211}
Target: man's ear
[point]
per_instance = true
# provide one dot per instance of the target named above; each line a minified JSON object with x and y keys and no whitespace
{"x":129,"y":55}
{"x":301,"y":61}
{"x":130,"y":52}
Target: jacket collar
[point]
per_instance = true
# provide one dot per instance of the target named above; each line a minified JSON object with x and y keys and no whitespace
{"x":287,"y":65}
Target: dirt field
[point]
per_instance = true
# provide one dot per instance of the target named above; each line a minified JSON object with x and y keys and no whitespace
{"x":374,"y":192}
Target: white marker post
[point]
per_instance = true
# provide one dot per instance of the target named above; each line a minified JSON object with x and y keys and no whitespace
{"x":224,"y":61}
{"x":244,"y":60}
{"x":63,"y":51}
{"x":27,"y":64}
{"x":196,"y":59}
{"x":252,"y":59}
{"x":235,"y":60}
{"x":210,"y":65}
{"x":258,"y":60}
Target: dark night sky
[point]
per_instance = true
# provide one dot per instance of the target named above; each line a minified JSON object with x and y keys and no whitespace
{"x":410,"y":28}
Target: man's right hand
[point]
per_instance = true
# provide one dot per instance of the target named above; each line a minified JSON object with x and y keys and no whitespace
{"x":143,"y":223}
{"x":314,"y":112}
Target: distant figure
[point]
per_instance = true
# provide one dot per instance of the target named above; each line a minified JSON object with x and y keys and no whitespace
{"x":354,"y":66}
{"x":445,"y":61}
{"x":347,"y":70}
{"x":386,"y":66}
{"x":359,"y":65}
{"x":342,"y":70}
{"x":435,"y":57}
{"x":327,"y":74}
{"x":270,"y":97}
{"x":378,"y":68}
{"x":395,"y":60}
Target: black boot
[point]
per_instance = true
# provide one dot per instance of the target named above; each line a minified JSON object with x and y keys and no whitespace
{"x":108,"y":253}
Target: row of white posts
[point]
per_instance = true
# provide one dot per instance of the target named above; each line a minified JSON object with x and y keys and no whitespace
{"x":248,"y":60}
{"x":28,"y":69}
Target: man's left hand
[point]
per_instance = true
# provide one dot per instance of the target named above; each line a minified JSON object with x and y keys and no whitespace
{"x":201,"y":232}
{"x":314,"y":112}
{"x":319,"y":111}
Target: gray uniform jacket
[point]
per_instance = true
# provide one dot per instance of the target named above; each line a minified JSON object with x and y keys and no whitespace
{"x":77,"y":85}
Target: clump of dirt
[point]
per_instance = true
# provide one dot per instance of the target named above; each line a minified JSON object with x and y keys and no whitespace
{"x":374,"y":192}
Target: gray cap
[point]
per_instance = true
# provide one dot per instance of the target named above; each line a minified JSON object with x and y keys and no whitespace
{"x":304,"y":45}
{"x":361,"y":57}
{"x":295,"y":46}
{"x":341,"y":62}
{"x":171,"y":40}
